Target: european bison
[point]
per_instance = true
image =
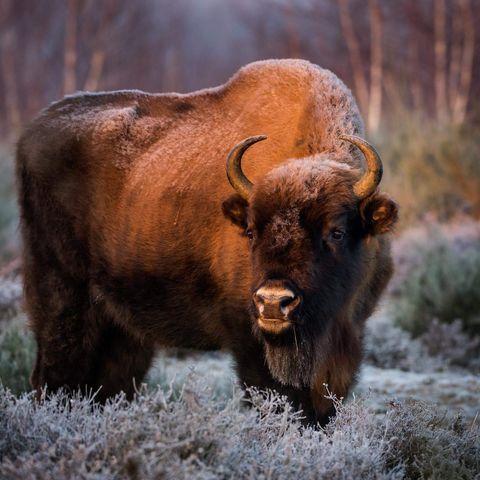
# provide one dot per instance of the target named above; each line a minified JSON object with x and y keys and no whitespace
{"x":126,"y":247}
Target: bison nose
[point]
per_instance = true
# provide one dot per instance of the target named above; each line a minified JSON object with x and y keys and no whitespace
{"x":274,"y":302}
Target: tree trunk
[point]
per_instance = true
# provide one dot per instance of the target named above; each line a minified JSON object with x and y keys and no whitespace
{"x":376,"y":70}
{"x":459,"y":108}
{"x":361,"y":88}
{"x":70,"y":49}
{"x":441,"y":100}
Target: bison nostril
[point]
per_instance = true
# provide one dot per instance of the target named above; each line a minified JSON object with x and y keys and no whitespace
{"x":288,"y":304}
{"x":275,"y":302}
{"x":286,"y":301}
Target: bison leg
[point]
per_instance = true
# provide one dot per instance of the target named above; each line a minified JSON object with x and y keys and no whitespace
{"x":122,"y":363}
{"x":108,"y":363}
{"x":65,"y":353}
{"x":64,"y":327}
{"x":336,"y":379}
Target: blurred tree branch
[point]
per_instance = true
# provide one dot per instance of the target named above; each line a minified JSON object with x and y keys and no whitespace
{"x":369,"y":93}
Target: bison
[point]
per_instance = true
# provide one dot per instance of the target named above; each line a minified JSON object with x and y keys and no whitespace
{"x":126,"y":248}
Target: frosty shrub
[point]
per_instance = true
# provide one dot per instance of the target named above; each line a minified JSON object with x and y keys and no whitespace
{"x":17,"y":353}
{"x":8,"y":205}
{"x":191,"y":435}
{"x":452,"y":344}
{"x":442,"y":347}
{"x":172,"y":367}
{"x":10,"y":297}
{"x":387,"y":345}
{"x":441,"y":281}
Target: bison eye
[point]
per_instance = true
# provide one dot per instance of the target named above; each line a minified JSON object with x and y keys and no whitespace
{"x":249,"y":234}
{"x":337,"y":235}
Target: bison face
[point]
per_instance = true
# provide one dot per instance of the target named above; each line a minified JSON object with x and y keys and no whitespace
{"x":313,"y":248}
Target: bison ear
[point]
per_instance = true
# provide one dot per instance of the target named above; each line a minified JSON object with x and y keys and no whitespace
{"x":235,"y":209}
{"x":379,"y":214}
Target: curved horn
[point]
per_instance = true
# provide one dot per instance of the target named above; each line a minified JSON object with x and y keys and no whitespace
{"x":241,"y":184}
{"x":371,"y":178}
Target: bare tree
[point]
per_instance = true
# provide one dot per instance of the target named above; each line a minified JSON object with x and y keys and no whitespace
{"x":292,"y":32}
{"x":361,"y":88}
{"x":441,"y":102}
{"x":413,"y":58}
{"x":98,"y":54}
{"x":376,"y":70}
{"x":369,"y":92}
{"x":70,"y":48}
{"x":462,"y":60}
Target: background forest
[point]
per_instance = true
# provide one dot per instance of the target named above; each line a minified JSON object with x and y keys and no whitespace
{"x":414,"y":68}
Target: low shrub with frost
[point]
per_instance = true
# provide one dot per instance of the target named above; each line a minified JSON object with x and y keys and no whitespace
{"x":17,"y":353}
{"x":9,"y":234}
{"x":388,"y":346}
{"x":11,"y":291}
{"x":452,"y":345}
{"x":191,"y":434}
{"x":435,"y":294}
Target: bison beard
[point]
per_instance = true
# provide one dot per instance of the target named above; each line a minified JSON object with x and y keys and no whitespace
{"x":291,"y":356}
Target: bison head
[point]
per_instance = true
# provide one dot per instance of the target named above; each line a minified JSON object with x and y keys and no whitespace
{"x":311,"y":225}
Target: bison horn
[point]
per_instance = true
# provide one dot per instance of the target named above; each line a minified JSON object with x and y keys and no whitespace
{"x":371,"y":178}
{"x":238,"y":180}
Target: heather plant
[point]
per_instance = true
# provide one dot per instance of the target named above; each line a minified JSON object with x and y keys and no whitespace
{"x":172,"y":367}
{"x":17,"y":352}
{"x":10,"y":297}
{"x":450,"y":343}
{"x":389,"y":346}
{"x":443,"y":285}
{"x":165,"y":435}
{"x":8,"y":205}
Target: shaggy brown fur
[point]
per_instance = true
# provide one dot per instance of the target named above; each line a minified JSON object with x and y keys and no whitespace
{"x":126,"y":248}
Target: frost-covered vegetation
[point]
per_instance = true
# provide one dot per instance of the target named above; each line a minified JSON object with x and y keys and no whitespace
{"x":8,"y":205}
{"x":190,"y":434}
{"x":436,"y":293}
